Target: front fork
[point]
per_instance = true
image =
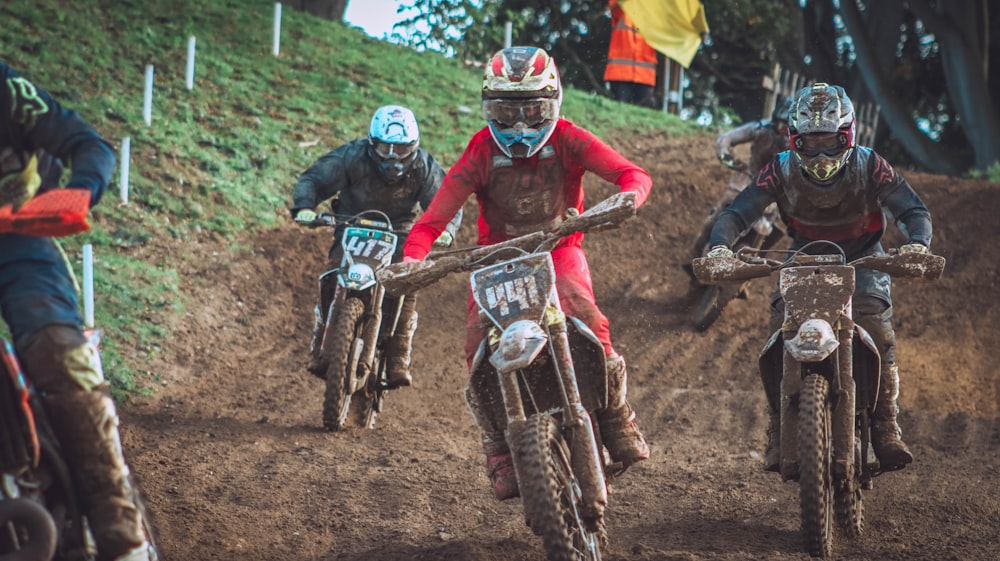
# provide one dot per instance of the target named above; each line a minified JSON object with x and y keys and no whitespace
{"x":585,"y":456}
{"x":370,"y":333}
{"x":842,"y":416}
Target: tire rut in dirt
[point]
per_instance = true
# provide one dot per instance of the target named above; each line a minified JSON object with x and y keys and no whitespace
{"x":814,"y":462}
{"x":341,"y":334}
{"x":551,"y":494}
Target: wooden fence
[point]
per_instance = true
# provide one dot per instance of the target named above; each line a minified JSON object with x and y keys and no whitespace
{"x":784,"y":82}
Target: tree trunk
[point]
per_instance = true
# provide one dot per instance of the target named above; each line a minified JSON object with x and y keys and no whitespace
{"x":326,"y":9}
{"x":930,"y":154}
{"x":956,"y":25}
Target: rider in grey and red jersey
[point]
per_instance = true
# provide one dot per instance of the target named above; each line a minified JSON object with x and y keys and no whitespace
{"x":828,"y":188}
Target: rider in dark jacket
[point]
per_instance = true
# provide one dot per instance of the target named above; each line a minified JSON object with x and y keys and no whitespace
{"x":389,"y":172}
{"x":827,"y":188}
{"x":39,"y":304}
{"x":767,"y":137}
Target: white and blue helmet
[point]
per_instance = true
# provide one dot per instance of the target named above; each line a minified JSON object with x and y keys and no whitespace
{"x":393,"y":139}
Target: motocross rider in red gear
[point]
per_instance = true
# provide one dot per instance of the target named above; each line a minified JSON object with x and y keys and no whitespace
{"x":39,"y":303}
{"x":525,"y":169}
{"x":828,"y":188}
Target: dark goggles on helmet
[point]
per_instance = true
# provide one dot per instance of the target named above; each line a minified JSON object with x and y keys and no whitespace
{"x":827,"y":144}
{"x":389,"y":151}
{"x":531,"y":113}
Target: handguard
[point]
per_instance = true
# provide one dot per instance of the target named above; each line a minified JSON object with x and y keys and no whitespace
{"x":56,"y":213}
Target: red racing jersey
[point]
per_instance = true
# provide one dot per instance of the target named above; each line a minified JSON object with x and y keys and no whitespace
{"x":517,"y":196}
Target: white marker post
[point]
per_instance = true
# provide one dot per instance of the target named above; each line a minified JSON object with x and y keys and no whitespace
{"x":88,"y":286}
{"x":189,"y":75}
{"x":277,"y":28}
{"x":147,"y":102}
{"x":508,"y":32}
{"x":123,"y":168}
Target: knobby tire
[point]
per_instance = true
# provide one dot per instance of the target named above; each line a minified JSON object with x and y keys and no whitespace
{"x":713,"y":300}
{"x":847,"y":499}
{"x":815,"y":486}
{"x":345,"y":327}
{"x":552,"y":495}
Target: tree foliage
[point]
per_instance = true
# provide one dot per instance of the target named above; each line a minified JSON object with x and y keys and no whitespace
{"x":928,"y":64}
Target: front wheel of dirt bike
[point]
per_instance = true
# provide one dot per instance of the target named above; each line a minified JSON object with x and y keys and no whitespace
{"x":367,"y":402}
{"x":713,"y":300}
{"x":552,"y":495}
{"x":341,"y":350}
{"x":815,"y":486}
{"x":848,"y":506}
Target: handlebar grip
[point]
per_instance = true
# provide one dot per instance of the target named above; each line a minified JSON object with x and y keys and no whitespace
{"x":727,"y":271}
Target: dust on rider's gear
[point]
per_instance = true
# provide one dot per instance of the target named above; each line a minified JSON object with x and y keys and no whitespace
{"x":887,"y":437}
{"x":619,"y":431}
{"x":483,"y":396}
{"x":397,"y":351}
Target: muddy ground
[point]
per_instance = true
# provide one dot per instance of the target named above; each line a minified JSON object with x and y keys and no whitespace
{"x":235,"y":465}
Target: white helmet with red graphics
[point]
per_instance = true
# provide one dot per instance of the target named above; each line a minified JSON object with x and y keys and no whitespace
{"x":821,"y":130}
{"x":522,"y":95}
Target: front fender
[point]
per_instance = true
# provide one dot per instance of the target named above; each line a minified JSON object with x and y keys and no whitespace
{"x":814,"y":342}
{"x":519,"y":345}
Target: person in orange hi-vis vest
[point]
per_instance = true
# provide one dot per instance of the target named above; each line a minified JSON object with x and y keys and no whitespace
{"x":631,"y":68}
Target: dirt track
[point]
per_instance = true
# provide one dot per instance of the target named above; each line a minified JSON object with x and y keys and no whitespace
{"x":236,"y":467}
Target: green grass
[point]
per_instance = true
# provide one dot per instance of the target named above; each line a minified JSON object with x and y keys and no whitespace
{"x":224,"y":156}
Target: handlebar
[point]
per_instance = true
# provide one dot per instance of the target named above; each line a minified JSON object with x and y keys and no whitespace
{"x":329,"y":220}
{"x":406,"y":278}
{"x":750,"y":263}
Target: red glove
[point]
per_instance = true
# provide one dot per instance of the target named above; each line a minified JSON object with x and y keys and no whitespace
{"x":55,"y":213}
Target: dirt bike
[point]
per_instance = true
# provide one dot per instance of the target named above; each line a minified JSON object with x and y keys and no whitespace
{"x":828,"y":368}
{"x":357,"y":325}
{"x":41,"y":516}
{"x":549,"y":369}
{"x":40,"y":511}
{"x":765,"y":233}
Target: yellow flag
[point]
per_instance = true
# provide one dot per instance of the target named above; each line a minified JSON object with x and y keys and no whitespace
{"x":672,"y":27}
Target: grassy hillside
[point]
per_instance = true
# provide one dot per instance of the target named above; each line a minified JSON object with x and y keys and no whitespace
{"x":221,"y":158}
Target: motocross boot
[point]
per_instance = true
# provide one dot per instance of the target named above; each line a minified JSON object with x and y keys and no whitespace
{"x":483,"y":404}
{"x":892,"y":452}
{"x":397,"y":354}
{"x":619,"y":430}
{"x":500,"y":469}
{"x":86,"y":424}
{"x":772,"y":451}
{"x":317,"y":366}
